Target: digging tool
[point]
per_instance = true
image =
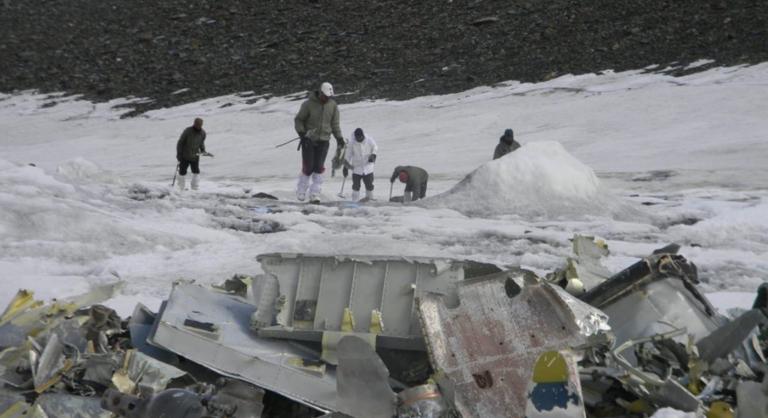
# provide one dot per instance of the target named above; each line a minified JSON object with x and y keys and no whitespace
{"x":287,"y":142}
{"x":173,"y":183}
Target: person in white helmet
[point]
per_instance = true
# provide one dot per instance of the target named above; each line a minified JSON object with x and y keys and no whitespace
{"x":317,"y":119}
{"x":360,"y":157}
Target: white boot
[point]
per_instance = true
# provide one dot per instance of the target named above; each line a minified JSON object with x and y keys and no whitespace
{"x":355,"y":195}
{"x":369,"y":195}
{"x":316,"y":187}
{"x":302,"y":186}
{"x":195,"y":181}
{"x":182,"y":183}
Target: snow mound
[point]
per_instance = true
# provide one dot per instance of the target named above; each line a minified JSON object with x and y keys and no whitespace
{"x":538,"y":179}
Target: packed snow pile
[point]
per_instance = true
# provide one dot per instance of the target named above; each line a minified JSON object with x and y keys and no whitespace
{"x":539,"y":179}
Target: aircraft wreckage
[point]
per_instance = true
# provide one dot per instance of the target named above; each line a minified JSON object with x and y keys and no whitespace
{"x":369,"y":336}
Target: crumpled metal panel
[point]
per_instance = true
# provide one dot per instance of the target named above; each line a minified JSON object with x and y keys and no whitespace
{"x":657,"y":308}
{"x":212,"y":329}
{"x":488,"y":344}
{"x":653,"y":296}
{"x":64,"y":405}
{"x":315,"y":290}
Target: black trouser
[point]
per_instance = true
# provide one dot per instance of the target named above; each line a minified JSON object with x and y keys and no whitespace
{"x":313,"y":156}
{"x":186,"y":163}
{"x":419,"y":193}
{"x":367,"y":179}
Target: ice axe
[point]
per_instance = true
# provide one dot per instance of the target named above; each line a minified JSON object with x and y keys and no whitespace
{"x":287,"y":142}
{"x":173,"y":183}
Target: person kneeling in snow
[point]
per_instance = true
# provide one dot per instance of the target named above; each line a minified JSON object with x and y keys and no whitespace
{"x":506,"y":145}
{"x":415,"y":179}
{"x":360,"y":157}
{"x":190,"y":147}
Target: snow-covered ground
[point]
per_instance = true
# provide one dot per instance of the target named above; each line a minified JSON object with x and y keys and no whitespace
{"x":639,"y":158}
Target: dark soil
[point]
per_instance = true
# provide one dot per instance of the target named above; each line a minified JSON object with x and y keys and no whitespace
{"x":371,"y":49}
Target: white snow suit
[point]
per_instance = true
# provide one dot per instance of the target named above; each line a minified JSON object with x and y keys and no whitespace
{"x":358,"y":154}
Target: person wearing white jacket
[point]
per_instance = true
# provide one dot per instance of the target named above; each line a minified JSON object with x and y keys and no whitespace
{"x":360,"y":158}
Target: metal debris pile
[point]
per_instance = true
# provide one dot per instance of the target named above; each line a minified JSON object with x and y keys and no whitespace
{"x":394,"y":337}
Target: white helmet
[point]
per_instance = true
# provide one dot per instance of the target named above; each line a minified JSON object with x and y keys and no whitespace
{"x":327,"y":89}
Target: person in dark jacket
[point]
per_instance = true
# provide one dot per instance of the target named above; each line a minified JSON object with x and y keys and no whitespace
{"x":188,"y":150}
{"x":415,"y":179}
{"x":317,"y":119}
{"x":506,"y":145}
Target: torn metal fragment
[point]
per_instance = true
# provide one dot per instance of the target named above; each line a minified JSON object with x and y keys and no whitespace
{"x":652,"y":296}
{"x":488,"y":344}
{"x":65,"y":405}
{"x":730,"y":336}
{"x":363,"y":381}
{"x":245,"y":399}
{"x":139,"y":326}
{"x":170,"y":403}
{"x":752,"y":400}
{"x":237,"y":352}
{"x":51,"y":365}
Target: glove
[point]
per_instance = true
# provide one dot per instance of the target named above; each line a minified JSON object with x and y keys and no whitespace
{"x":348,"y":165}
{"x":340,"y":143}
{"x":345,"y":171}
{"x":372,"y":158}
{"x":302,"y":138}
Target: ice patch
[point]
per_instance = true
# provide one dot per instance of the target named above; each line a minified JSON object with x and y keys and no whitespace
{"x":539,"y":179}
{"x":740,"y":228}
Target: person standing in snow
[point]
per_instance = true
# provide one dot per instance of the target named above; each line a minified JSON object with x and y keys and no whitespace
{"x":360,"y":157}
{"x":317,"y":119}
{"x":188,"y":150}
{"x":506,"y":145}
{"x":415,"y":179}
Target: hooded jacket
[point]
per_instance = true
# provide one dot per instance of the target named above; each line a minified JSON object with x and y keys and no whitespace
{"x":317,"y":120}
{"x":191,"y":144}
{"x":358,"y":153}
{"x":505,"y":146}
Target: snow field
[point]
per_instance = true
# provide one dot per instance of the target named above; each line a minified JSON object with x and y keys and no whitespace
{"x":639,"y":159}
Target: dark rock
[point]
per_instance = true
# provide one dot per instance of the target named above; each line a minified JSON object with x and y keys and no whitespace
{"x":394,"y":50}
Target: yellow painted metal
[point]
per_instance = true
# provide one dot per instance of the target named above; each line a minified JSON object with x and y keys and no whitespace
{"x":348,"y":321}
{"x":23,"y":300}
{"x":720,"y":409}
{"x":550,"y":368}
{"x":377,"y":323}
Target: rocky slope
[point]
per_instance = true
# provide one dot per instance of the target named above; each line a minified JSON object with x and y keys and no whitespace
{"x":395,"y":49}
